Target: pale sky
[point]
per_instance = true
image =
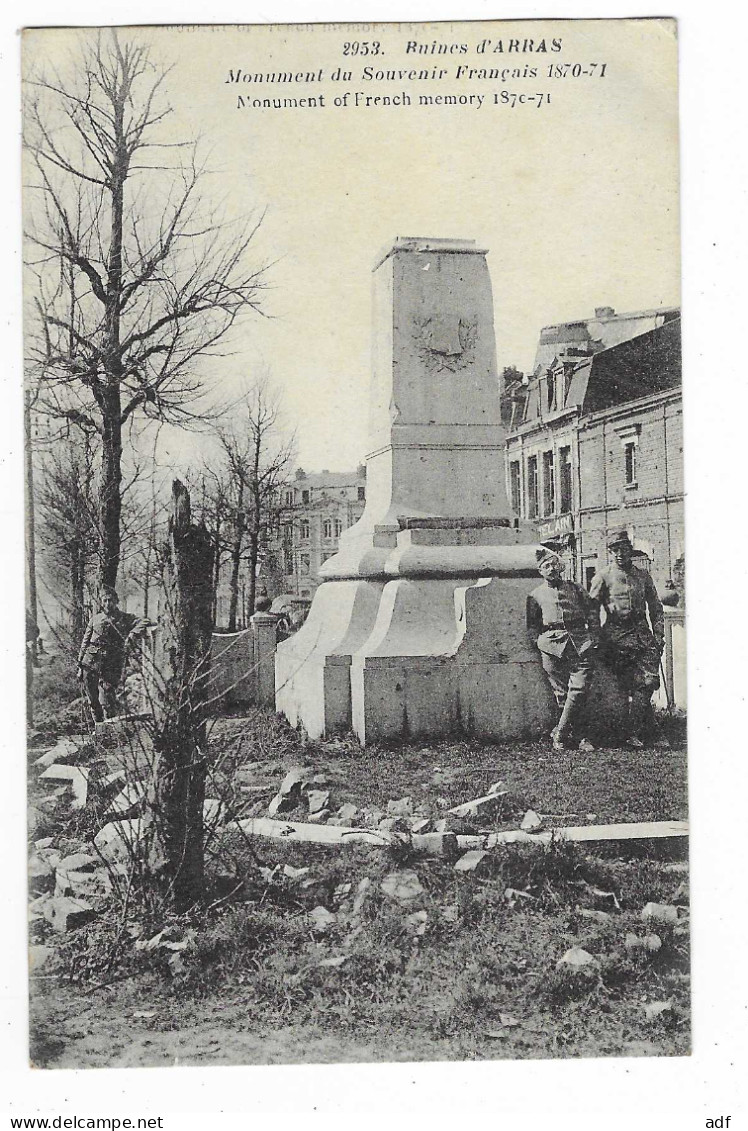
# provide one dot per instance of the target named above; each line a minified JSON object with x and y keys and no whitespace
{"x":576,"y":200}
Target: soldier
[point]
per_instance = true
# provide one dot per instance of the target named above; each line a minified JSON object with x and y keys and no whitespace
{"x":630,"y":647}
{"x":565,"y":624}
{"x":101,"y":660}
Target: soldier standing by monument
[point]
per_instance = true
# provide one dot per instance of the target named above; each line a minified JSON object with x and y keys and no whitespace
{"x":631,"y":648}
{"x":101,"y":660}
{"x":565,"y":624}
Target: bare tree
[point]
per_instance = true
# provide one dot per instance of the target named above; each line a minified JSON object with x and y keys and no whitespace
{"x":67,"y":526}
{"x":134,"y":278}
{"x":258,"y":459}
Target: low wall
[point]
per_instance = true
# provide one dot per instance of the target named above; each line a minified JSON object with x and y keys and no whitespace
{"x":242,"y":665}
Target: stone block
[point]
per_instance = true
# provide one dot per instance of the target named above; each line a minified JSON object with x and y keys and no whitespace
{"x":403,"y":887}
{"x":475,"y":862}
{"x":576,"y":958}
{"x":317,"y":799}
{"x":660,"y":913}
{"x":531,"y":822}
{"x":403,"y":807}
{"x":66,"y":750}
{"x":79,"y":862}
{"x":76,"y":779}
{"x":67,"y":914}
{"x":83,"y":884}
{"x":480,"y":807}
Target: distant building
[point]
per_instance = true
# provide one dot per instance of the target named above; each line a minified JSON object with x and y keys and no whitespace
{"x":318,"y":507}
{"x":599,"y":442}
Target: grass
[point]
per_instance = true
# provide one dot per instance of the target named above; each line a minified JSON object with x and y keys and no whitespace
{"x":250,"y":978}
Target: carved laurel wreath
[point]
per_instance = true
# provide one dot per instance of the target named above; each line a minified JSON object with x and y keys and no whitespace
{"x":438,"y":356}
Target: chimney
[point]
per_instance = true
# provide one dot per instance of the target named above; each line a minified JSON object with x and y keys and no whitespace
{"x":604,"y":312}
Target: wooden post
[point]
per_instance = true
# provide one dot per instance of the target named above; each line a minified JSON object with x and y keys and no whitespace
{"x":264,"y":635}
{"x":179,"y":738}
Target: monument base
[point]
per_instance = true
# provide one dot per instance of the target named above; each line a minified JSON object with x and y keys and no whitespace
{"x":427,"y":639}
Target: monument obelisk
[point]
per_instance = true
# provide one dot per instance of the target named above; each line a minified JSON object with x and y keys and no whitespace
{"x":419,"y":625}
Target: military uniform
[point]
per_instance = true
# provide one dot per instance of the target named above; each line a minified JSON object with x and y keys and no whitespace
{"x":102,"y":658}
{"x":627,"y":643}
{"x":564,"y":623}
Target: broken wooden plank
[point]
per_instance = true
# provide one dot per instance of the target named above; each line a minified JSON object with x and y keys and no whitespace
{"x":434,"y":844}
{"x":582,"y":834}
{"x":444,"y":844}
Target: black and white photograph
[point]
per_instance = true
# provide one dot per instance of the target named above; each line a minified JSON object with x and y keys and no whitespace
{"x":356,"y":594}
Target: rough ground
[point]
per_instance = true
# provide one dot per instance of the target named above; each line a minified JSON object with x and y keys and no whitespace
{"x":465,"y":968}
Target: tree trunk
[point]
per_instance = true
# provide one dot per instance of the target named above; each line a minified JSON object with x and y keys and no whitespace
{"x":236,"y":558}
{"x":180,"y":710}
{"x":77,"y":592}
{"x":33,"y":603}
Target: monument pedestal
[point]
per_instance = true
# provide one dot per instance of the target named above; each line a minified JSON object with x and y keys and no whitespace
{"x":419,"y":627}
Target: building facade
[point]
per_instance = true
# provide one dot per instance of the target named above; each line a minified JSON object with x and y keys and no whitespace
{"x":599,"y":445}
{"x":317,"y":508}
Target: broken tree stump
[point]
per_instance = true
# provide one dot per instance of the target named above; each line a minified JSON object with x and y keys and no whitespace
{"x":180,"y":704}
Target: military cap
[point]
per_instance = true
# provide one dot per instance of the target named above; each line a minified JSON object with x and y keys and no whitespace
{"x":617,"y":536}
{"x":543,"y":554}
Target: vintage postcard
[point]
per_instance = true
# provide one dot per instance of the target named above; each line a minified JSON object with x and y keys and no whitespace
{"x":356,"y":594}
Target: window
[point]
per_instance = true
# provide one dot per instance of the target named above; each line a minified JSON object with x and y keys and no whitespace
{"x":515,"y":486}
{"x":564,"y":474}
{"x":287,"y":562}
{"x":362,"y":493}
{"x":549,"y":486}
{"x":629,"y":452}
{"x":551,"y":390}
{"x":532,"y":487}
{"x":287,"y":534}
{"x":305,"y":496}
{"x":305,"y":529}
{"x":589,"y":573}
{"x":338,"y":527}
{"x":327,"y":528}
{"x":304,"y":562}
{"x":289,"y":498}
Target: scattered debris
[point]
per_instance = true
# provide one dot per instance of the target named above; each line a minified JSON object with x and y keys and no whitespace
{"x":659,"y":1011}
{"x":322,"y":919}
{"x":577,"y":959}
{"x":89,"y":884}
{"x":75,"y":777}
{"x":345,"y":816}
{"x":131,"y":799}
{"x":417,"y":922}
{"x":66,"y":750}
{"x":650,"y":943}
{"x":514,"y":895}
{"x":39,"y":956}
{"x":596,"y":916}
{"x":402,"y":886}
{"x":317,"y":800}
{"x":472,"y":861}
{"x":487,"y":806}
{"x":531,"y":822}
{"x":364,"y":891}
{"x":78,"y":862}
{"x":420,"y":824}
{"x":320,"y":817}
{"x":660,"y":913}
{"x":401,"y":808}
{"x":66,"y":913}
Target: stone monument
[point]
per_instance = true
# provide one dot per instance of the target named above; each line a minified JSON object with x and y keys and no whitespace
{"x":418,"y":629}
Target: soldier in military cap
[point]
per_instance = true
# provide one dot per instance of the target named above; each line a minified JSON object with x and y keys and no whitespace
{"x":630,"y":646}
{"x":101,"y":660}
{"x":565,"y":624}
